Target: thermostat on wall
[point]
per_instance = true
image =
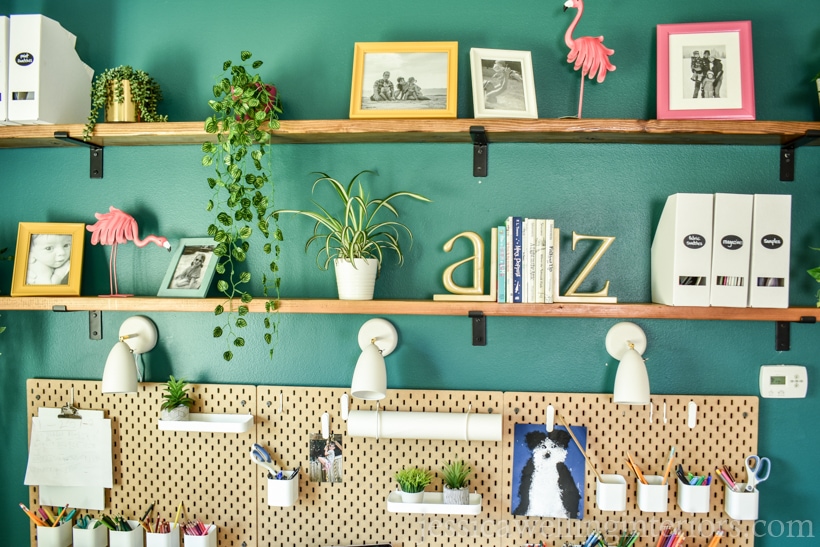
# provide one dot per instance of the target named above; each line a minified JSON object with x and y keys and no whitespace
{"x":783,"y":381}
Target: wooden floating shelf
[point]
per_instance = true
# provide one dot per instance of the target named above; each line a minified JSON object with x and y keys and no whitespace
{"x":432,"y":131}
{"x":415,"y":307}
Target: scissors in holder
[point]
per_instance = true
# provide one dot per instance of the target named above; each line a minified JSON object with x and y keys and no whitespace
{"x":757,"y":471}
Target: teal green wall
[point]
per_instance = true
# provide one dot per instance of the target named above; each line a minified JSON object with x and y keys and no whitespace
{"x":598,"y":189}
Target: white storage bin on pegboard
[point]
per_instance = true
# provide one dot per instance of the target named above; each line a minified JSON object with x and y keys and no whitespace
{"x":653,"y":497}
{"x":58,"y":536}
{"x":740,"y":504}
{"x":91,"y":536}
{"x":610,"y":493}
{"x":694,"y":498}
{"x":134,"y":538}
{"x":208,"y":540}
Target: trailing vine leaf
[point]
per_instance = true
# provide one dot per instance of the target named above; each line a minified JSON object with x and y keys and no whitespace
{"x":245,"y":109}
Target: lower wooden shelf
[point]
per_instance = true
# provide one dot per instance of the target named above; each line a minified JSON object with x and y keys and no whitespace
{"x":148,"y":304}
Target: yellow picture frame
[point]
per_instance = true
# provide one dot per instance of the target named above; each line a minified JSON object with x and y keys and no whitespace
{"x":432,"y":93}
{"x":52,"y":275}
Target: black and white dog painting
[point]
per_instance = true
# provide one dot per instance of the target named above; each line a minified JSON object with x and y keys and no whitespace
{"x":548,"y":472}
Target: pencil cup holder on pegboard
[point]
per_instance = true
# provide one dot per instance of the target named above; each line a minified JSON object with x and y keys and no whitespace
{"x":694,"y":498}
{"x":208,"y":540}
{"x":132,"y":538}
{"x":58,"y":536}
{"x":740,"y":504}
{"x":652,"y":497}
{"x":283,"y":492}
{"x":170,"y":539}
{"x":610,"y":493}
{"x":91,"y":537}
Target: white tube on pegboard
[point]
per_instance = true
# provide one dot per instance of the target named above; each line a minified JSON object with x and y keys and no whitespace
{"x":444,"y":426}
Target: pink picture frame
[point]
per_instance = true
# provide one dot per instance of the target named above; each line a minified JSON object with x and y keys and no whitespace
{"x":705,"y":71}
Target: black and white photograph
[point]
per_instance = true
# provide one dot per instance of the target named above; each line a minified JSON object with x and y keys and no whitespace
{"x":191,"y":270}
{"x":325,"y":458}
{"x":503,"y":85}
{"x":395,"y":80}
{"x":703,"y":71}
{"x":49,"y":259}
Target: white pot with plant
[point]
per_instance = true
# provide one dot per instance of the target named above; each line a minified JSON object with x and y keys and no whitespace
{"x":412,"y":482}
{"x":355,"y":236}
{"x":816,"y":80}
{"x":454,"y":475}
{"x":176,"y":404}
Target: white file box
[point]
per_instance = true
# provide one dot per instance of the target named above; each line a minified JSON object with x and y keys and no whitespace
{"x":4,"y":69}
{"x":731,"y":250}
{"x":771,"y":251}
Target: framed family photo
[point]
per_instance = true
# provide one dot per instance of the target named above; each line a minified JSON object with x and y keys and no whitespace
{"x":48,"y":260}
{"x":503,"y":84}
{"x":404,"y":80}
{"x":705,"y":71}
{"x":191,"y":270}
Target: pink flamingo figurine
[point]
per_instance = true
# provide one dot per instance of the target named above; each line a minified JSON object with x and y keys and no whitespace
{"x":588,"y":52}
{"x":113,"y":228}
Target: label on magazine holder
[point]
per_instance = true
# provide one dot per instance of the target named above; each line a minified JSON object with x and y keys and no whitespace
{"x":694,"y":241}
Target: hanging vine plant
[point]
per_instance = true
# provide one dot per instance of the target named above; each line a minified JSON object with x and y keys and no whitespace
{"x":245,"y":110}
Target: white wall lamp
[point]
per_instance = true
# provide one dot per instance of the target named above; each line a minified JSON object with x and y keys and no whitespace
{"x":138,"y":335}
{"x":377,"y":338}
{"x":626,"y":342}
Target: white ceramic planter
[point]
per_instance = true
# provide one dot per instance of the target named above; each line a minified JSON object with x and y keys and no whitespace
{"x":456,"y":496}
{"x":177,"y":414}
{"x":356,"y":281}
{"x":412,"y":497}
{"x":817,"y":81}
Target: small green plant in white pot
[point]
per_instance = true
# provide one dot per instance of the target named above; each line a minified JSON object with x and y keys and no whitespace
{"x":454,"y":475}
{"x":177,"y":403}
{"x":816,"y":80}
{"x":355,"y":237}
{"x":412,"y":482}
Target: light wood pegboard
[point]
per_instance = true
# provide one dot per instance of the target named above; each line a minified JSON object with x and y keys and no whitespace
{"x":726,"y":432}
{"x":355,"y":511}
{"x":210,"y":473}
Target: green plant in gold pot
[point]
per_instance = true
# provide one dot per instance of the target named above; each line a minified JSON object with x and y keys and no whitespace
{"x":176,"y":402}
{"x":354,"y":235}
{"x":454,"y":475}
{"x":412,"y":482}
{"x":126,"y":95}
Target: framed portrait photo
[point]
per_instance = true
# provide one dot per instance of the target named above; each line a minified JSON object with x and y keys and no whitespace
{"x":705,"y":71}
{"x":48,"y":260}
{"x":503,"y":84}
{"x":404,"y":80}
{"x":191,"y":270}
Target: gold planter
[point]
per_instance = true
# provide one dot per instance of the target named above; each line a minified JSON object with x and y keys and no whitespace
{"x":126,"y":111}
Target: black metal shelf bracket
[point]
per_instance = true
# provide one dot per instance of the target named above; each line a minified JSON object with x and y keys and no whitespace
{"x":94,"y":321}
{"x":787,"y":157}
{"x":479,"y":323}
{"x":480,"y":150}
{"x":96,"y":151}
{"x":783,"y":330}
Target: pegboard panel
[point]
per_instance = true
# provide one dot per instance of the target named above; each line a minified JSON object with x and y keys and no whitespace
{"x":725,"y":433}
{"x":210,"y":473}
{"x":354,"y":512}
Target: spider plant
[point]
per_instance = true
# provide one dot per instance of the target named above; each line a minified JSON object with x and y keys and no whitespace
{"x":355,"y":230}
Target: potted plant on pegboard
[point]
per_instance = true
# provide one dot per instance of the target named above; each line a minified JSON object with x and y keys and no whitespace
{"x":454,"y":475}
{"x":412,"y":482}
{"x":176,"y":404}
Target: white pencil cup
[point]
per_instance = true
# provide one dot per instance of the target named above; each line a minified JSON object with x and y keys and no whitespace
{"x":694,"y":498}
{"x":741,"y":505}
{"x":132,"y":538}
{"x":652,"y":497}
{"x":610,"y":493}
{"x":91,"y":537}
{"x":208,"y":540}
{"x":171,"y":539}
{"x":58,"y":536}
{"x":283,"y":492}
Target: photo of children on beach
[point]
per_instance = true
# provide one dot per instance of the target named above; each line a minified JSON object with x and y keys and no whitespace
{"x":405,"y":81}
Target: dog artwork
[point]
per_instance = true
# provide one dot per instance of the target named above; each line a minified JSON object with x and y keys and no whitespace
{"x":548,"y":472}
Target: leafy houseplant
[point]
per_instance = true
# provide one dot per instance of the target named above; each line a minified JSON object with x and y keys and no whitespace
{"x":815,"y":273}
{"x":413,"y":481}
{"x":176,"y":402}
{"x":2,"y":252}
{"x":354,"y":235}
{"x":114,"y":86}
{"x":245,"y":110}
{"x":454,"y":475}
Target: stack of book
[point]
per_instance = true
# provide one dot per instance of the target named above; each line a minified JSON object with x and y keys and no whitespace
{"x":525,"y":261}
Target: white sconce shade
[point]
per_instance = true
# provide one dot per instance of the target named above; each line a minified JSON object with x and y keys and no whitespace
{"x":377,"y":338}
{"x":627,"y":342}
{"x":138,"y":335}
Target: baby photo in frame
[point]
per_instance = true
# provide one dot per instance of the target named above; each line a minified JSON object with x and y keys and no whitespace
{"x":191,"y":270}
{"x":48,"y":259}
{"x":503,"y":84}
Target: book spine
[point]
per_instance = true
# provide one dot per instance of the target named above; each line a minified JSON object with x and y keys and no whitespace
{"x":502,"y":264}
{"x":540,"y":258}
{"x":509,"y":226}
{"x":549,"y":259}
{"x":517,"y":257}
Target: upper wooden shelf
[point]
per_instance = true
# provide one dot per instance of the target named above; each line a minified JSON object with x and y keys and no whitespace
{"x":426,"y":130}
{"x":415,"y":307}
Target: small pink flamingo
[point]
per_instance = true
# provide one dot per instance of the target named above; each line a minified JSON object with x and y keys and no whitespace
{"x":589,"y":53}
{"x":113,"y":228}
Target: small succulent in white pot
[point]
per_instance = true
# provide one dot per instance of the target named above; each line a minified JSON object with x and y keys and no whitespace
{"x":176,"y":404}
{"x":454,"y":475}
{"x":412,"y":482}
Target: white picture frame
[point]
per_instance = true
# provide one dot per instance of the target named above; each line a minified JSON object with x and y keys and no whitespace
{"x":503,"y":84}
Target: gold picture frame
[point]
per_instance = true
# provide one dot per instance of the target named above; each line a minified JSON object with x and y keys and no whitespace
{"x":49,"y":259}
{"x":421,"y":81}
